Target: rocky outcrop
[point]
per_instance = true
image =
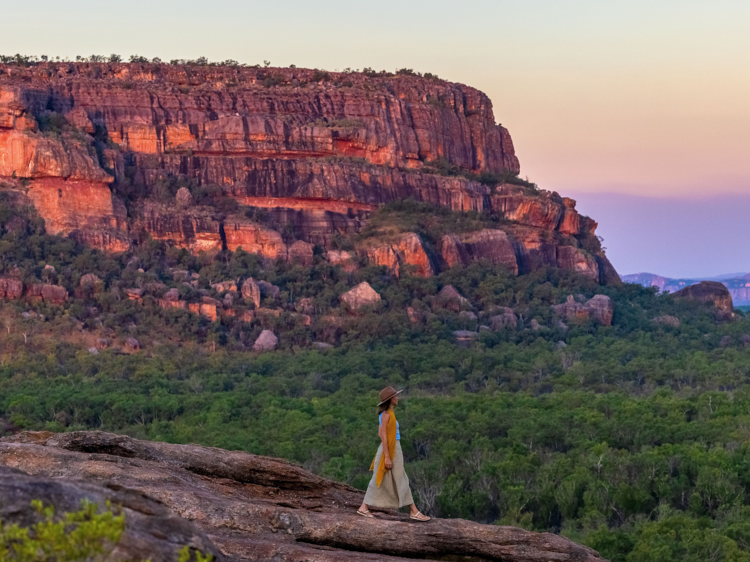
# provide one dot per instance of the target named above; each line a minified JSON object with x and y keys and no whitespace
{"x":251,"y":291}
{"x":491,"y":245}
{"x":152,"y":531}
{"x":709,"y":292}
{"x":405,"y":251}
{"x":253,"y":508}
{"x":267,"y":341}
{"x":505,"y":320}
{"x":599,"y":308}
{"x":667,"y":320}
{"x":360,"y":296}
{"x":309,"y":158}
{"x":50,"y":294}
{"x":575,"y":259}
{"x":450,"y":298}
{"x":10,"y":288}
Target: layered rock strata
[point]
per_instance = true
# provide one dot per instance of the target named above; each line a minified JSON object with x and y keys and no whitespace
{"x":312,"y":153}
{"x":257,"y":508}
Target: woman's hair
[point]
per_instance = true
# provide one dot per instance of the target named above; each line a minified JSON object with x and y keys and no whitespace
{"x":384,"y":406}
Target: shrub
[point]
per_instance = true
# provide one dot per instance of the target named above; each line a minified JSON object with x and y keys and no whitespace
{"x":320,"y":76}
{"x":273,"y":80}
{"x":82,"y":535}
{"x":370,"y":73}
{"x":52,"y":123}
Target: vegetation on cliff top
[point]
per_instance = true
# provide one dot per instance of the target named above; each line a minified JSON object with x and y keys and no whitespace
{"x":26,"y":61}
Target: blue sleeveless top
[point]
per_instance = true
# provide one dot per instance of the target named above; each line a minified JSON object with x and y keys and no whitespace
{"x":398,"y":430}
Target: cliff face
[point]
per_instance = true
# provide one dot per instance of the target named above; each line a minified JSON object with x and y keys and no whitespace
{"x":315,"y":151}
{"x":240,"y":507}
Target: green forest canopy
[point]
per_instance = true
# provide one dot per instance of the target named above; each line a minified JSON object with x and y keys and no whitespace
{"x":632,"y":438}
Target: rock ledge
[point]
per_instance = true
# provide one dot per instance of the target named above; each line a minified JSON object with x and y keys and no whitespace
{"x":259,"y":508}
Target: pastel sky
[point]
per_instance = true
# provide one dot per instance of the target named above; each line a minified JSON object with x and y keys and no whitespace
{"x":639,"y":97}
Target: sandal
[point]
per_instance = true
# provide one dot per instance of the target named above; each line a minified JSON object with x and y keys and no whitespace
{"x":365,"y":514}
{"x":420,"y":517}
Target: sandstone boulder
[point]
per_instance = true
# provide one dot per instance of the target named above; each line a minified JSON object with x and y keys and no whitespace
{"x":208,"y":308}
{"x":667,"y":321}
{"x":90,"y":281}
{"x":50,"y":294}
{"x":134,"y":294}
{"x":225,"y":286}
{"x":173,"y":295}
{"x":305,"y":306}
{"x":181,"y":304}
{"x":251,"y":291}
{"x":254,"y":238}
{"x":450,"y":298}
{"x":575,"y":259}
{"x":710,"y":292}
{"x":571,"y":310}
{"x":491,"y":245}
{"x":132,"y":344}
{"x":301,"y":252}
{"x":539,"y":210}
{"x":360,"y":296}
{"x":464,"y":338}
{"x":268,"y":289}
{"x":345,"y":259}
{"x":10,"y":288}
{"x":501,"y":321}
{"x":267,"y":341}
{"x":405,"y":251}
{"x":184,"y":198}
{"x":601,"y":309}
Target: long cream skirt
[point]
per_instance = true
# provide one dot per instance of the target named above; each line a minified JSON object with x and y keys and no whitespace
{"x":394,"y":490}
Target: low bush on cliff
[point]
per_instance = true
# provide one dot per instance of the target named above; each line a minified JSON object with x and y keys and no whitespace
{"x":427,"y":220}
{"x":443,"y":167}
{"x":82,"y":535}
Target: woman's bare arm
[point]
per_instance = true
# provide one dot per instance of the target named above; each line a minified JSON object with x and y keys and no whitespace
{"x":383,"y":434}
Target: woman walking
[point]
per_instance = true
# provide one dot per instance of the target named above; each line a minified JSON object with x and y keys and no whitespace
{"x":389,"y":486}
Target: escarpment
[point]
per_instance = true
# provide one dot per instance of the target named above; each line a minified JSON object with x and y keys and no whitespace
{"x":240,"y":507}
{"x":273,"y":157}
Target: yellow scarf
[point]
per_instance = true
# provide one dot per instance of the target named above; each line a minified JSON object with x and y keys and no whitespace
{"x":390,"y":434}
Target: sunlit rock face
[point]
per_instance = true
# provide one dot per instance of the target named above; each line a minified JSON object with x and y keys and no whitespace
{"x":296,"y":155}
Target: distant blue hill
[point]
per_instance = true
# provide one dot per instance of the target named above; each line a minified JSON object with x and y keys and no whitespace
{"x":737,"y":283}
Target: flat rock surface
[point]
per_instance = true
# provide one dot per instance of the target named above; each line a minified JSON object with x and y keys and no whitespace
{"x":259,"y":508}
{"x":152,"y":531}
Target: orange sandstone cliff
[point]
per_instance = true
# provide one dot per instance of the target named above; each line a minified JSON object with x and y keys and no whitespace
{"x":275,"y":161}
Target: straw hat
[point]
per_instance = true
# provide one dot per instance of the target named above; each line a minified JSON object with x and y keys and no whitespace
{"x":387,"y":393}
